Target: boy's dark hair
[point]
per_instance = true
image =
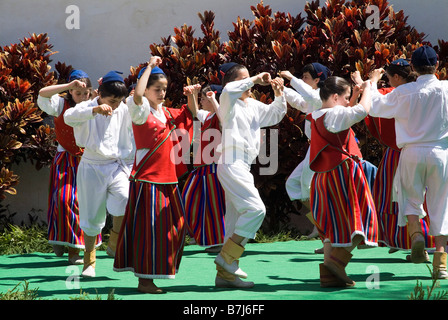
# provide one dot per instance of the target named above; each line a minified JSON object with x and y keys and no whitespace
{"x":425,"y":69}
{"x":333,"y":85}
{"x":232,"y":74}
{"x":67,"y":96}
{"x":113,"y":89}
{"x":403,"y":71}
{"x":155,"y":77}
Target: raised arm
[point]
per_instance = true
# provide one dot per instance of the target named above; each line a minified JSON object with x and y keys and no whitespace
{"x":192,"y":93}
{"x":143,"y":81}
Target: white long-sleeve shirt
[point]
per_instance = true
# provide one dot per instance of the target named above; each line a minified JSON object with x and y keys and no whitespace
{"x":105,"y":138}
{"x":340,"y":118}
{"x":420,"y":110}
{"x":52,"y":106}
{"x":304,"y":98}
{"x":241,"y":121}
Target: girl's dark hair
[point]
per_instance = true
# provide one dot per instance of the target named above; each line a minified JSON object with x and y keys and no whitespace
{"x":113,"y":89}
{"x":231,"y":74}
{"x":312,"y":71}
{"x":67,"y":96}
{"x":333,"y":85}
{"x":403,"y":71}
{"x":154,"y":78}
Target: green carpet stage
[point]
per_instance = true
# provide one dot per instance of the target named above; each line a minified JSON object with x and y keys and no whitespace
{"x":280,"y":270}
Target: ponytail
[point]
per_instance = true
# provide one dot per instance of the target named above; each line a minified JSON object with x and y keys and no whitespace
{"x":333,"y":85}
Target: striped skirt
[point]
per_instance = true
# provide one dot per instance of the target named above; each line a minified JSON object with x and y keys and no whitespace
{"x":204,"y":206}
{"x":63,"y":214}
{"x":151,"y":238}
{"x":343,"y":206}
{"x":390,"y":234}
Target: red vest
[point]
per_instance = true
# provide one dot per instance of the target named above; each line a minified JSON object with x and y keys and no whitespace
{"x":328,"y":150}
{"x":383,"y":129}
{"x":65,"y":135}
{"x":209,"y":141}
{"x":165,"y":141}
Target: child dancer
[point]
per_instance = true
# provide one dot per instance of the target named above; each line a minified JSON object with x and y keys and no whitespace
{"x":103,"y":127}
{"x":152,"y":236}
{"x":305,"y":98}
{"x":63,"y":215}
{"x":203,"y":195}
{"x":391,"y":235}
{"x":341,"y":201}
{"x":420,"y":110}
{"x":241,"y":120}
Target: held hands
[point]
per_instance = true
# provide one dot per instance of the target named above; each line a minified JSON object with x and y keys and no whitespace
{"x":192,"y":89}
{"x":263,"y":78}
{"x":376,"y":75}
{"x":285,"y":74}
{"x":277,"y":85}
{"x":103,"y":109}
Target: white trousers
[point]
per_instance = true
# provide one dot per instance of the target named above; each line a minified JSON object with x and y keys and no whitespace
{"x":102,"y":188}
{"x":298,"y":183}
{"x":423,"y":171}
{"x":245,"y":211}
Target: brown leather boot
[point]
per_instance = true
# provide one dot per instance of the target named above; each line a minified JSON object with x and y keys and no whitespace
{"x":112,"y":244}
{"x":228,"y":258}
{"x":89,"y":264}
{"x":339,"y":258}
{"x":439,"y":265}
{"x":73,"y":256}
{"x":225,"y":279}
{"x":329,"y":280}
{"x":418,"y":242}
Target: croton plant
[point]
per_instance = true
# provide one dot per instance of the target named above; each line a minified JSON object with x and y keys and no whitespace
{"x":333,"y":32}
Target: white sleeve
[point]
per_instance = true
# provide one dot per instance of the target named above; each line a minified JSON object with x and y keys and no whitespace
{"x":139,"y":114}
{"x":79,"y":114}
{"x":384,"y":106}
{"x":310,"y":95}
{"x":230,"y":94}
{"x":52,"y":106}
{"x":202,"y":115}
{"x":296,"y":100}
{"x":273,"y":113}
{"x":342,"y":118}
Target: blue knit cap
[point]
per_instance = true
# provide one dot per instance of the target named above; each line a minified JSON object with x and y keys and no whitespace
{"x":400,"y":62}
{"x":76,"y":74}
{"x":424,"y":56}
{"x":322,"y":71}
{"x":113,"y":76}
{"x":155,"y":70}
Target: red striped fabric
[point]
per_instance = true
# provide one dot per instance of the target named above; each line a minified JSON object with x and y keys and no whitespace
{"x":151,"y":239}
{"x":204,"y":206}
{"x":343,"y":206}
{"x":63,"y":214}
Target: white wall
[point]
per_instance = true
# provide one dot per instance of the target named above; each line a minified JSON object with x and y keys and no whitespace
{"x":114,"y":35}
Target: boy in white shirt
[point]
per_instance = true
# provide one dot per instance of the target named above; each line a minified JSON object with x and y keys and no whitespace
{"x":103,"y":128}
{"x":420,"y":110}
{"x":241,"y":119}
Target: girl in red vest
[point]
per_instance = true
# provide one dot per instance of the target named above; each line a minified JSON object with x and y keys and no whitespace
{"x":203,"y":195}
{"x":341,"y":202}
{"x":63,"y":216}
{"x":151,"y":238}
